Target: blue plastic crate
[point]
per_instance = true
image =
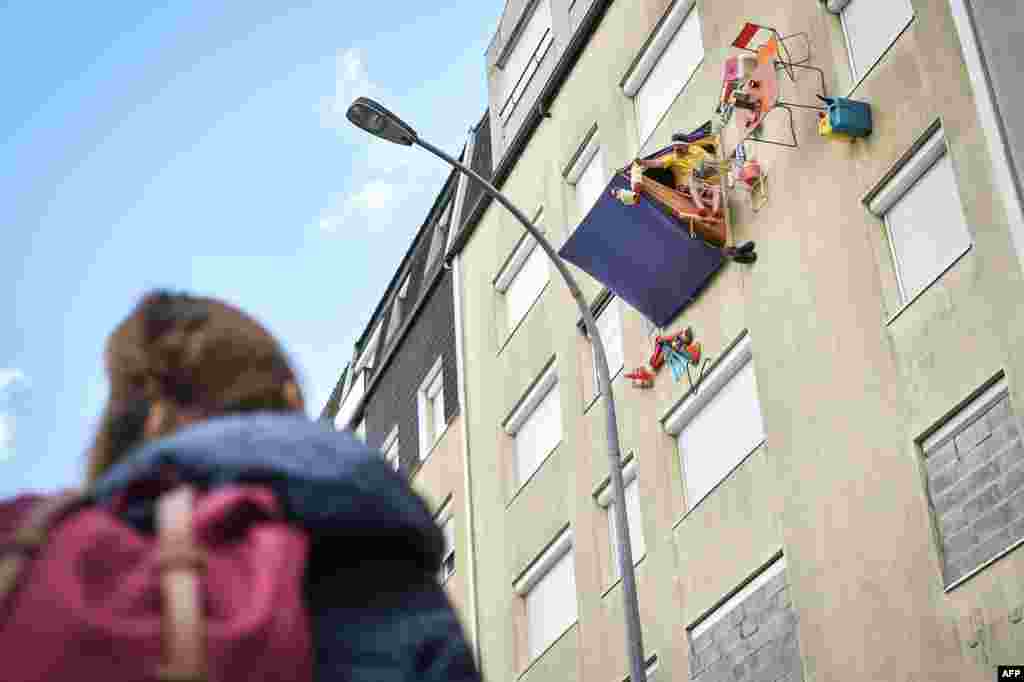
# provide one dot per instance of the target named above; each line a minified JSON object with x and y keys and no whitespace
{"x":848,"y":116}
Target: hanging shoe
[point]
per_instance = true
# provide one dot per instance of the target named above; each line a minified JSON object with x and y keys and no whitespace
{"x":658,"y":358}
{"x":693,"y":350}
{"x":641,"y":378}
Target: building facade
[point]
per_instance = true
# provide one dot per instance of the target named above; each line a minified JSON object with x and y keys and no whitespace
{"x":841,"y":498}
{"x":401,"y":390}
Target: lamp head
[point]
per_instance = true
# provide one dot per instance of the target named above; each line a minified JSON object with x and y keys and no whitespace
{"x":375,"y":119}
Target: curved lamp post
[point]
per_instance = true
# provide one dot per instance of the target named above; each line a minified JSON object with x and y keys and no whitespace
{"x":375,"y":119}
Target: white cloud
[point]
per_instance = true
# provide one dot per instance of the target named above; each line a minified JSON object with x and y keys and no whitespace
{"x":12,"y":377}
{"x":393,"y":186}
{"x":351,"y":81}
{"x":13,"y":387}
{"x":8,"y":425}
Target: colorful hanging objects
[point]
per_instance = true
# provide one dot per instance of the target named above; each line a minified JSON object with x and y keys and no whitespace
{"x":749,"y":176}
{"x":750,"y":85}
{"x":679,"y":351}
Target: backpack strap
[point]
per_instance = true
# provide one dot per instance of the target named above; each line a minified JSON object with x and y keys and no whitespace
{"x":179,"y":562}
{"x":17,"y":551}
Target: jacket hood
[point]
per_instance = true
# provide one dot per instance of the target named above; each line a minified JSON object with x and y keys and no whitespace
{"x":327,"y":482}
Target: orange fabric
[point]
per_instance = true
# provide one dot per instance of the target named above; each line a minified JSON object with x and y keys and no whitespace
{"x":767,"y":52}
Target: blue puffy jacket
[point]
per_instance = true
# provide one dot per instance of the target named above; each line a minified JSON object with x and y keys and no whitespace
{"x":378,"y":613}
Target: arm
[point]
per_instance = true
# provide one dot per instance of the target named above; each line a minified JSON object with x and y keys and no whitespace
{"x":660,"y":162}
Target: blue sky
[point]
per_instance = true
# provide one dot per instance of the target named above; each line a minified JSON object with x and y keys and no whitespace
{"x":203,"y":147}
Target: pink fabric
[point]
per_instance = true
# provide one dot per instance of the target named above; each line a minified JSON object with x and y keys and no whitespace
{"x":89,"y":607}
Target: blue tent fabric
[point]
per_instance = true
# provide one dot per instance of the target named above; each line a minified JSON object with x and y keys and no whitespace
{"x":644,"y":256}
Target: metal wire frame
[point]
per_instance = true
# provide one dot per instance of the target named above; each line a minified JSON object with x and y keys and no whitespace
{"x":788,"y":65}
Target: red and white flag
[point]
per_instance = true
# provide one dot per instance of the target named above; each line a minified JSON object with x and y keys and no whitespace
{"x":752,"y":34}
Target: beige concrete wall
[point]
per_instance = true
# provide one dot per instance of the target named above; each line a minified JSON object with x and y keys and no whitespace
{"x":845,"y":389}
{"x":441,"y":479}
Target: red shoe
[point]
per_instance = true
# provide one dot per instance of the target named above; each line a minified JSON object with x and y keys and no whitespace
{"x":693,"y":350}
{"x":657,"y":359}
{"x":641,"y":378}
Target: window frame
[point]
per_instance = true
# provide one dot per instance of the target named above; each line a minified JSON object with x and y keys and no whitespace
{"x":723,"y":608}
{"x":922,"y":158}
{"x":540,"y":568}
{"x":729,"y":366}
{"x":510,"y":97}
{"x":426,"y":408}
{"x":513,"y":267}
{"x":443,"y":517}
{"x":650,"y":56}
{"x":526,"y":408}
{"x":651,"y":668}
{"x":589,"y":151}
{"x":398,"y":308}
{"x":438,"y":237}
{"x":839,"y":7}
{"x":367,"y":359}
{"x":955,"y":424}
{"x":604,"y":499}
{"x":613,"y":372}
{"x":391,"y":449}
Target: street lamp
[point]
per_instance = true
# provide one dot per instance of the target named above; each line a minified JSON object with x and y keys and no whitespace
{"x":375,"y":119}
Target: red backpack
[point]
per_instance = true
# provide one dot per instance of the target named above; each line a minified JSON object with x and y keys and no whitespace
{"x":214,"y":596}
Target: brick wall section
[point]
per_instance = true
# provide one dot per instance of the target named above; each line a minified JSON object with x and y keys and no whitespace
{"x":755,"y":642}
{"x":976,"y":487}
{"x":394,"y":397}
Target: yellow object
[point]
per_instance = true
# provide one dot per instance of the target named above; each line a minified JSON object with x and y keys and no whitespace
{"x":682,"y":165}
{"x":825,"y":130}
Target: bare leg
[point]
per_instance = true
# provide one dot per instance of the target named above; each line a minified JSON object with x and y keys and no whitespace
{"x":695,"y":194}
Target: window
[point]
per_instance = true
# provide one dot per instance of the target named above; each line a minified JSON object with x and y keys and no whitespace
{"x":666,"y":66}
{"x":355,"y":389}
{"x":525,"y":57}
{"x":437,"y":240}
{"x":652,"y":667}
{"x":975,"y":469}
{"x":758,"y":617}
{"x":871,"y":26}
{"x":526,"y":286}
{"x":636,"y":531}
{"x":447,"y":525}
{"x":536,"y":425}
{"x":430,"y":406}
{"x":390,"y":449}
{"x":369,"y":355}
{"x":522,"y":279}
{"x":718,"y":426}
{"x":609,"y":324}
{"x":587,"y":173}
{"x":591,"y":183}
{"x":923,"y":217}
{"x":549,"y":589}
{"x":400,"y":307}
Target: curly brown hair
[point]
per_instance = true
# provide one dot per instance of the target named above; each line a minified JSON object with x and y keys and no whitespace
{"x":198,"y":357}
